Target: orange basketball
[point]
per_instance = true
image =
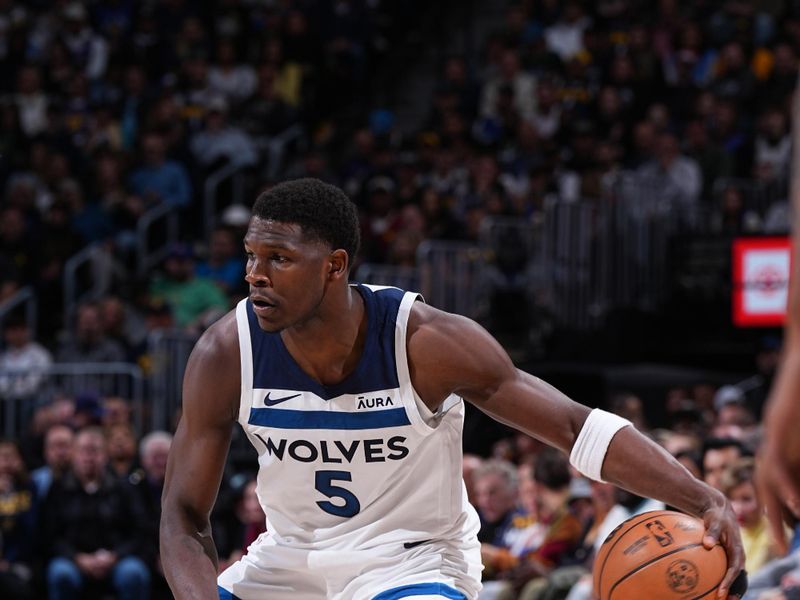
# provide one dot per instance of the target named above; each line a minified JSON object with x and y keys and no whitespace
{"x":658,"y":555}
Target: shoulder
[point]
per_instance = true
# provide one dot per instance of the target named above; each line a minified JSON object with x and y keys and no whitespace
{"x":449,"y":353}
{"x":428,"y":322}
{"x":219,"y":344}
{"x":211,"y":386}
{"x":437,"y":331}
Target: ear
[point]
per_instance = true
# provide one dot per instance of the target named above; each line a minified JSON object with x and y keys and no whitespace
{"x":339,"y":264}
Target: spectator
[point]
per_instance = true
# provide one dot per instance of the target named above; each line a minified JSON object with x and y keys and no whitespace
{"x":249,"y":523}
{"x":266,"y":113}
{"x":496,"y":487}
{"x":220,"y":143}
{"x":225,"y":264}
{"x":712,"y":161}
{"x":17,"y":243}
{"x":88,"y":411}
{"x":565,"y":37}
{"x":93,"y":526}
{"x":31,"y":101}
{"x":87,"y":49}
{"x":149,"y":483}
{"x":17,"y":524}
{"x":562,"y":528}
{"x":24,"y":363}
{"x":773,"y":147}
{"x":88,"y":220}
{"x":116,"y":411}
{"x":520,"y":85}
{"x":233,"y":80}
{"x":718,"y":455}
{"x":738,"y":485}
{"x":677,"y":177}
{"x":58,"y":442}
{"x":121,"y":446}
{"x":121,"y":323}
{"x":159,"y":179}
{"x":89,"y":342}
{"x":189,"y":296}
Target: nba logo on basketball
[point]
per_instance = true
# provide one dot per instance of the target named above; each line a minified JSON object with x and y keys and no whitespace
{"x":658,"y":531}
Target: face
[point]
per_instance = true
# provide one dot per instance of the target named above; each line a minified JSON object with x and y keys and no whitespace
{"x":16,"y":336}
{"x":58,"y":447}
{"x":715,"y":461}
{"x":251,"y":511}
{"x":10,"y":461}
{"x":494,"y":497}
{"x":89,"y":323}
{"x":288,"y":273}
{"x":745,"y":503}
{"x":89,"y":455}
{"x":154,"y":459}
{"x":121,"y":442}
{"x":115,"y":412}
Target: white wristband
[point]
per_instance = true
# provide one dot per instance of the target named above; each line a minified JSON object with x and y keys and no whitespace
{"x":589,"y":450}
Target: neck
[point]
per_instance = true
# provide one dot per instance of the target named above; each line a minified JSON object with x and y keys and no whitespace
{"x":328,"y":346}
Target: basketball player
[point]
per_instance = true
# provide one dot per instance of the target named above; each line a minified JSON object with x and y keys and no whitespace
{"x":352,"y":396}
{"x":778,"y":468}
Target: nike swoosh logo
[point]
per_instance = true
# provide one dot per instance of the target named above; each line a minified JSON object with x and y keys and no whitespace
{"x":273,"y":401}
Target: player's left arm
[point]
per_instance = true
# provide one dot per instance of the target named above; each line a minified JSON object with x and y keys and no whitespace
{"x":452,"y":354}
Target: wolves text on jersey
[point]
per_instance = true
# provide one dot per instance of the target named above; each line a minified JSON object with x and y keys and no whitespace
{"x":337,"y":451}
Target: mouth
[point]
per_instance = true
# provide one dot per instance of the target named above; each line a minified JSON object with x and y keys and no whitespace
{"x":262,"y":306}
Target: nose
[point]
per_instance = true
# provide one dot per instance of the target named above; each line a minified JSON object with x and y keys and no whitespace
{"x":254,"y":276}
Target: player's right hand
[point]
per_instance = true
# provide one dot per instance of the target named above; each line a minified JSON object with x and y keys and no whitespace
{"x":722,"y":528}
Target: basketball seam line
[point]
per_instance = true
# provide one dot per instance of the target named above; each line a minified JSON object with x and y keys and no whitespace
{"x":712,"y":588}
{"x":649,"y":562}
{"x":650,"y":515}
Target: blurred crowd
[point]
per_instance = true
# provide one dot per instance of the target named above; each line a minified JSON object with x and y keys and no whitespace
{"x":542,"y":523}
{"x":113,"y":109}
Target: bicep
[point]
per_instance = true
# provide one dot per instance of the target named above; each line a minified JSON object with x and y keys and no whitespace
{"x":456,"y":355}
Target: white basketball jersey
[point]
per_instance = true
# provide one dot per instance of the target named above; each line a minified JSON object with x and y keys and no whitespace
{"x":353,"y":465}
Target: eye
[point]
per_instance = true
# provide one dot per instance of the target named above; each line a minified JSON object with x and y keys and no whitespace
{"x":250,"y":255}
{"x":278,"y":258}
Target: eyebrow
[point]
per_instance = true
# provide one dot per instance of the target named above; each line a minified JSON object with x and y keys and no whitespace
{"x":274,"y":245}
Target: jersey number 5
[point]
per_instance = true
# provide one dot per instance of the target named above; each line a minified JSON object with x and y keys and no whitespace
{"x":323,"y":482}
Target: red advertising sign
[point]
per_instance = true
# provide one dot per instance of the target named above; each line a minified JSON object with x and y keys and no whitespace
{"x":760,"y":281}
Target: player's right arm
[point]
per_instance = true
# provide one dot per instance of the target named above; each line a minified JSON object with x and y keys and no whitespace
{"x":211,"y":389}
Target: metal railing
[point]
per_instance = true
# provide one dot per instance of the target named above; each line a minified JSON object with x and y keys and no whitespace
{"x":274,"y":148}
{"x":406,"y":278}
{"x":450,"y":275}
{"x":168,"y":352}
{"x":69,"y":379}
{"x":24,"y":297}
{"x":146,"y":257}
{"x":233,"y":171}
{"x":98,"y":281}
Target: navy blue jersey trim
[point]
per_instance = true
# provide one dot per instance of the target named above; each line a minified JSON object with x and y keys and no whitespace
{"x":282,"y":418}
{"x":274,"y":367}
{"x":226,"y":595}
{"x":421,"y":589}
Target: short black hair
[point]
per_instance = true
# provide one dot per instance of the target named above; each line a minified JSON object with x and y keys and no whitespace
{"x":322,"y":210}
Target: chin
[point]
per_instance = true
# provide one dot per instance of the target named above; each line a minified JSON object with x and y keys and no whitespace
{"x":269,"y":326}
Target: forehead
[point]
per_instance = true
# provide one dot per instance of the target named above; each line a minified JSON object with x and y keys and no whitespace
{"x":277,"y":233}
